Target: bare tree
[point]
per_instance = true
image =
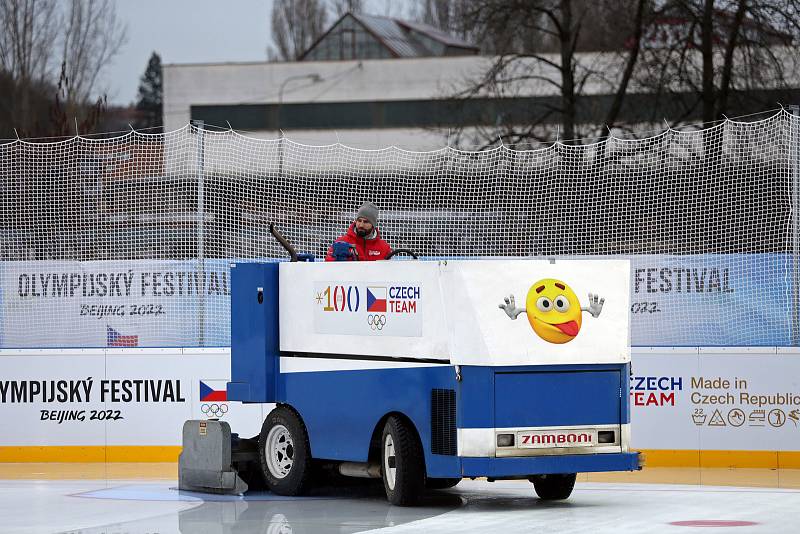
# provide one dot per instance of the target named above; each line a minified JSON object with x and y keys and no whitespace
{"x":447,"y":15}
{"x":690,"y":58}
{"x":27,"y":33}
{"x":536,"y":44}
{"x":634,"y":44}
{"x":296,"y":24}
{"x":340,"y":7}
{"x":485,"y":28}
{"x":712,"y":55}
{"x":57,"y":48}
{"x":92,"y":36}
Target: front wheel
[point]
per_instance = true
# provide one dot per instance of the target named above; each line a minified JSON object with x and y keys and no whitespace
{"x":402,"y":463}
{"x":554,"y":487}
{"x":284,"y":452}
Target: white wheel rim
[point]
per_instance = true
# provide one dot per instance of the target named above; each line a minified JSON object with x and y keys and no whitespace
{"x":389,"y":461}
{"x":279,"y":451}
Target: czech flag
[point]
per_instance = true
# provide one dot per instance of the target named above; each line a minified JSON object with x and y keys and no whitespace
{"x":115,"y":339}
{"x":207,"y":393}
{"x":376,"y":299}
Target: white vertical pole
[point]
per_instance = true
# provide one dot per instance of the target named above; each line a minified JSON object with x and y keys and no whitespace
{"x":201,"y":260}
{"x":794,"y":169}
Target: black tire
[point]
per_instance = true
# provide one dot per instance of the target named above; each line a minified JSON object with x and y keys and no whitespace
{"x":441,"y":483}
{"x":288,"y":470}
{"x":554,"y":487}
{"x":252,"y":475}
{"x":403,"y":473}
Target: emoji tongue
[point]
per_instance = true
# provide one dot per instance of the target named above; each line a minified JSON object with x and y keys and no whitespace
{"x":570,"y":328}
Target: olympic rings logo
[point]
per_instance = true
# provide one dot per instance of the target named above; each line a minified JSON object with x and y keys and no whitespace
{"x":214,"y":410}
{"x":377,"y":321}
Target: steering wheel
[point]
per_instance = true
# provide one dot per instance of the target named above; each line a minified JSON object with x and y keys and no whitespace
{"x":402,"y":251}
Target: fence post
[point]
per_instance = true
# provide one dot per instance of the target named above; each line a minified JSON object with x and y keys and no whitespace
{"x":201,"y":259}
{"x":281,"y":142}
{"x":794,"y":169}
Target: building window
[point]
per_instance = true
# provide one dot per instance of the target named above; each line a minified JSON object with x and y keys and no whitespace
{"x":382,"y":114}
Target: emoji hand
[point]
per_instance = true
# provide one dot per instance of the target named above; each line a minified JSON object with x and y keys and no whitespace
{"x":595,"y":305}
{"x":510,"y":307}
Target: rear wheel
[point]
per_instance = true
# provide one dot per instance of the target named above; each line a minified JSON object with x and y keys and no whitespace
{"x":402,"y":463}
{"x":284,"y":452}
{"x":554,"y":487}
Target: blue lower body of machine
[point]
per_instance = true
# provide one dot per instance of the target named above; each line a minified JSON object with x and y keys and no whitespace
{"x":344,"y":413}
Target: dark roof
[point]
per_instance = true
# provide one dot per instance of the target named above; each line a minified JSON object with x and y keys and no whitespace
{"x":390,"y":34}
{"x":396,"y":35}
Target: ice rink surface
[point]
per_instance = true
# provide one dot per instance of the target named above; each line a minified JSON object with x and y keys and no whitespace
{"x":148,"y":505}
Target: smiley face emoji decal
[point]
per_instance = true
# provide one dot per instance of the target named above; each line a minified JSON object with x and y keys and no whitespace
{"x":553,"y":310}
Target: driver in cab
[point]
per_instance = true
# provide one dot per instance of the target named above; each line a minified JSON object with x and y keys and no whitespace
{"x":363,"y":241}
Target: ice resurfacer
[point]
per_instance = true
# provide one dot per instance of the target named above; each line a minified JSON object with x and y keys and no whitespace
{"x":423,"y":373}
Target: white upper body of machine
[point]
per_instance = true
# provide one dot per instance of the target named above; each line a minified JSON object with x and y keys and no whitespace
{"x":467,"y":312}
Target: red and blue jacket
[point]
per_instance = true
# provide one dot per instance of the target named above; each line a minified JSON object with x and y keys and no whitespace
{"x":369,"y":249}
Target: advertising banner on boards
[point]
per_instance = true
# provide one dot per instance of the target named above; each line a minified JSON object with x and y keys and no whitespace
{"x":688,"y":300}
{"x":98,"y":397}
{"x":136,"y":303}
{"x":732,"y":300}
{"x":680,"y":400}
{"x":724,"y":401}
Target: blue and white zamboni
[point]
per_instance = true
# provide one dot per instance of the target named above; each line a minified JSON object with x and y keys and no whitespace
{"x":423,"y":373}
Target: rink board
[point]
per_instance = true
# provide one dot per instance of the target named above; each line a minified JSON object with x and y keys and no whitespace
{"x":689,"y":406}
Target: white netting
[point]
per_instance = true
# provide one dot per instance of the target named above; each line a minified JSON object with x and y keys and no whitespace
{"x":101,"y":242}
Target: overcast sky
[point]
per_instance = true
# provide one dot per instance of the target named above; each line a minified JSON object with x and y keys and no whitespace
{"x":196,"y":31}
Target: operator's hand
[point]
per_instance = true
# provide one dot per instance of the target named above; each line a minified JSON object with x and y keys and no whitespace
{"x":510,"y":307}
{"x":343,"y":251}
{"x":595,"y":305}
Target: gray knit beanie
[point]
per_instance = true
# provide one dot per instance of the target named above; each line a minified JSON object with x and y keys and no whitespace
{"x":369,"y":211}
